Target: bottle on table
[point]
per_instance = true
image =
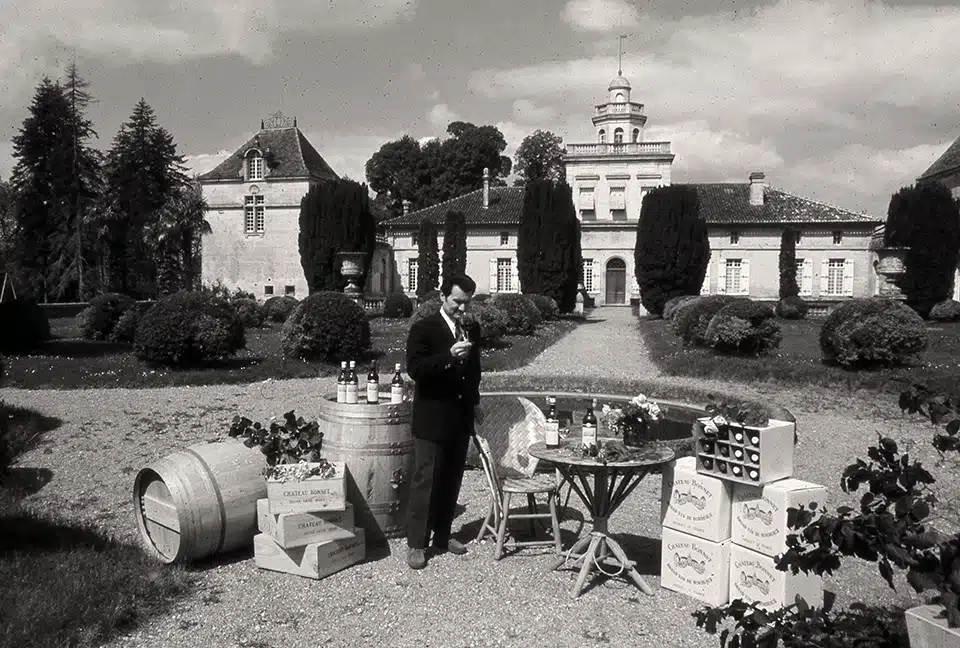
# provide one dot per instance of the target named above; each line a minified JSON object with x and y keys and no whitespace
{"x":589,"y":429}
{"x":552,"y":432}
{"x":342,"y":383}
{"x":373,"y":384}
{"x":352,"y":384}
{"x":396,"y":386}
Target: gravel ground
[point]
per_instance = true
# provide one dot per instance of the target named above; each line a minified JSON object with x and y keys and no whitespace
{"x":109,"y":434}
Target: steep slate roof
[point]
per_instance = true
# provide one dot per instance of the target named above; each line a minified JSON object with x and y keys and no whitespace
{"x":291,"y":156}
{"x":720,"y":203}
{"x":949,"y":161}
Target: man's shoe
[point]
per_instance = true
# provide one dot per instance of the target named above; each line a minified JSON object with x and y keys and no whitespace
{"x":453,"y":546}
{"x":416,"y":558}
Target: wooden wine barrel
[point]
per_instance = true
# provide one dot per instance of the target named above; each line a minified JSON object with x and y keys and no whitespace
{"x":376,"y":443}
{"x":200,"y":501}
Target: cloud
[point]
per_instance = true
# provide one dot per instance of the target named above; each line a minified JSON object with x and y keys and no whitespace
{"x":347,"y":153}
{"x":724,"y":154}
{"x":526,"y":111}
{"x":441,"y":115}
{"x":600,"y":15}
{"x":200,"y":163}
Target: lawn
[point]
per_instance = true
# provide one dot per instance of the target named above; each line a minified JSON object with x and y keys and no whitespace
{"x":70,"y":362}
{"x":797,"y":361}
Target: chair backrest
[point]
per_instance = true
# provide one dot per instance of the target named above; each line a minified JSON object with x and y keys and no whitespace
{"x":511,"y":425}
{"x":493,"y":480}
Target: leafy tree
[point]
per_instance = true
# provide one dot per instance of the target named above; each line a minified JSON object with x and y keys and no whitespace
{"x":672,"y":249}
{"x":454,"y":244}
{"x":176,"y":234}
{"x":394,"y":172}
{"x":540,"y":157}
{"x":549,"y":256}
{"x":428,"y":270}
{"x":788,"y":264}
{"x":334,"y":217}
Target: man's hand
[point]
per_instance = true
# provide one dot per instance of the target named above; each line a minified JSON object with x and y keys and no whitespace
{"x":460,"y":350}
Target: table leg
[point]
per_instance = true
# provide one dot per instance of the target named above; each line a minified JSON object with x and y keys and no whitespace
{"x":582,"y":543}
{"x":587,"y":564}
{"x":629,"y":566}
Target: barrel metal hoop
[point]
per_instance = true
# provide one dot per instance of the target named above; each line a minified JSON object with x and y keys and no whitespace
{"x":401,"y":448}
{"x":216,"y":491}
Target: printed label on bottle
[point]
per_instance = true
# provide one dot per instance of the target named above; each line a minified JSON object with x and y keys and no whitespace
{"x":373,"y":392}
{"x":552,"y":434}
{"x":351,"y":394}
{"x":589,"y":435}
{"x":341,"y":393}
{"x":396,"y":394}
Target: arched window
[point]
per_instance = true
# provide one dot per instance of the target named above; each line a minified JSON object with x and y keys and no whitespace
{"x":618,"y":136}
{"x":603,"y":136}
{"x":619,"y":97}
{"x":636,"y":134}
{"x":254,"y":165}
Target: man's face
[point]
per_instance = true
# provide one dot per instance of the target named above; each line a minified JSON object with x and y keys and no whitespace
{"x":455,"y":304}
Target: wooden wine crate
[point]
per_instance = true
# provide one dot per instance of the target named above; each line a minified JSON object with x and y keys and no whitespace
{"x":298,"y":529}
{"x":759,"y":517}
{"x":745,"y":454}
{"x":309,"y":495}
{"x":755,"y":578}
{"x":317,"y":560}
{"x":695,"y":567}
{"x":694,"y":503}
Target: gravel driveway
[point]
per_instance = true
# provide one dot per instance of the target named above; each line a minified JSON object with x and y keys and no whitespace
{"x":107,"y":435}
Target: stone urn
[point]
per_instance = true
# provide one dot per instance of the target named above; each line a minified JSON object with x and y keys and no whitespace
{"x":351,"y":268}
{"x":890,"y":267}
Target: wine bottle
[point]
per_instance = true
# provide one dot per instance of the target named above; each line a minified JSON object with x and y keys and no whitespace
{"x":396,"y":386}
{"x":352,"y":383}
{"x":552,"y":432}
{"x":342,"y":383}
{"x":754,"y":474}
{"x":373,"y":384}
{"x":589,"y":429}
{"x":736,"y":470}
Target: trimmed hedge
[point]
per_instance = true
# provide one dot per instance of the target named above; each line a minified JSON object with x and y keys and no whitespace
{"x":745,"y":327}
{"x":674,"y":303}
{"x":188,"y":328}
{"x":792,"y":308}
{"x":692,"y":321}
{"x":522,"y":316}
{"x":425,"y":309}
{"x":23,"y":326}
{"x":492,"y":320}
{"x":126,"y":329}
{"x":548,"y":307}
{"x":98,"y":320}
{"x":946,"y":311}
{"x":326,"y":325}
{"x":397,"y":305}
{"x":279,"y":307}
{"x":873,"y":331}
{"x":249,"y":311}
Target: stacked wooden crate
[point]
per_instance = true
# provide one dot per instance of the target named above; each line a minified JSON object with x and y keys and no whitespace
{"x":307,"y":526}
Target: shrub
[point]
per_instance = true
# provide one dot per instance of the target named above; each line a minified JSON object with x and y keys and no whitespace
{"x":864,"y":332}
{"x":522,"y":316}
{"x":326,"y":326}
{"x":548,"y":307}
{"x":674,"y":303}
{"x":691,"y":323}
{"x":397,"y":305}
{"x":792,"y":308}
{"x":278,"y":308}
{"x":426,"y":309}
{"x":744,"y":327}
{"x":249,"y":311}
{"x":479,"y":298}
{"x":946,"y":311}
{"x":23,"y":326}
{"x":126,"y":329}
{"x":97,"y":321}
{"x":188,"y":328}
{"x":430,"y":295}
{"x":675,"y":320}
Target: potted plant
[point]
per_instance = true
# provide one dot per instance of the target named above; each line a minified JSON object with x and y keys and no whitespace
{"x":635,"y":422}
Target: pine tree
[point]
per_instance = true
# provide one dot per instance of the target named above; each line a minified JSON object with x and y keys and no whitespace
{"x":176,"y":235}
{"x":788,"y":264}
{"x":454,"y":244}
{"x":428,"y":269}
{"x":672,"y":249}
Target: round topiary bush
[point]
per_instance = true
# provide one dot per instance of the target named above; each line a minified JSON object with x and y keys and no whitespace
{"x":23,"y":326}
{"x":430,"y":295}
{"x":126,"y":329}
{"x":873,"y":331}
{"x":675,"y":320}
{"x":479,"y":298}
{"x":744,"y":327}
{"x":249,"y":311}
{"x":548,"y":307}
{"x":425,"y":309}
{"x":97,"y":321}
{"x":278,"y":308}
{"x":692,"y":320}
{"x":188,"y":328}
{"x":792,"y":308}
{"x":493,"y":322}
{"x":397,"y":305}
{"x":326,"y":326}
{"x":674,"y":303}
{"x":522,"y":316}
{"x":946,"y":311}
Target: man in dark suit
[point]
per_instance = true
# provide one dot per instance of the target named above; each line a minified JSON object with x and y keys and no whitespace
{"x":444,"y":363}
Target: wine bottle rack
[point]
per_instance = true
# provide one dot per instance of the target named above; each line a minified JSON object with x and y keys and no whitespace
{"x":747,"y":455}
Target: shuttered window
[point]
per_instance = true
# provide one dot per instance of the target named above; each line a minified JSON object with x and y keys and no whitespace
{"x":588,"y":275}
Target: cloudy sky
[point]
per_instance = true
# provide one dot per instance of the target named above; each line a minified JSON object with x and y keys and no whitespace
{"x":843,"y":101}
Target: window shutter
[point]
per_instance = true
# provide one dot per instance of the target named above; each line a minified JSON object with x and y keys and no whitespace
{"x":848,"y":277}
{"x":405,"y":275}
{"x":722,"y":277}
{"x":514,"y":275}
{"x":745,"y":277}
{"x":824,"y":276}
{"x":596,"y":276}
{"x":806,"y":278}
{"x":705,"y":288}
{"x":493,"y":276}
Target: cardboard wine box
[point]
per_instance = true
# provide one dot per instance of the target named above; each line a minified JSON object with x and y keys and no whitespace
{"x":695,"y":567}
{"x":309,"y":495}
{"x":695,"y":503}
{"x":754,"y":578}
{"x":298,"y":529}
{"x":759,"y":519}
{"x":317,"y":560}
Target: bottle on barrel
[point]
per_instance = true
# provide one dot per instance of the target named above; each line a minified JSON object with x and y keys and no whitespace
{"x":552,"y":432}
{"x":342,"y":383}
{"x":590,"y":426}
{"x":373,"y":384}
{"x":352,"y":384}
{"x":396,"y":386}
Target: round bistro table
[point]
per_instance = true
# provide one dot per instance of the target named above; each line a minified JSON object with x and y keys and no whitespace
{"x":612,"y":483}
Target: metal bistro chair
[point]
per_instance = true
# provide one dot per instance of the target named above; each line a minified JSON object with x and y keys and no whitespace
{"x":509,"y":471}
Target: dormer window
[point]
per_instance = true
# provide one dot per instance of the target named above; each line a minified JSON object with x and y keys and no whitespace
{"x":603,"y":136}
{"x":618,"y":136}
{"x":636,"y":135}
{"x":254,"y":165}
{"x":619,"y":97}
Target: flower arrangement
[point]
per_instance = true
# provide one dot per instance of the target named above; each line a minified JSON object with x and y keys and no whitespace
{"x":632,"y":421}
{"x":721,"y":414}
{"x":289,"y":446}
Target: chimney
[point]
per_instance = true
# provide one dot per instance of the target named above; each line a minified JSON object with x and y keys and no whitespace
{"x":486,"y":187}
{"x":406,"y":207}
{"x":756,"y":188}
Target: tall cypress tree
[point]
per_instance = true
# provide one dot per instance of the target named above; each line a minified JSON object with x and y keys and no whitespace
{"x":788,"y":264}
{"x":428,"y":268}
{"x":549,"y":256}
{"x":672,"y":249}
{"x":454,"y":244}
{"x":529,"y":235}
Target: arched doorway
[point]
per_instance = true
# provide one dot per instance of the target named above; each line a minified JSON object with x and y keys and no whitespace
{"x":616,"y":283}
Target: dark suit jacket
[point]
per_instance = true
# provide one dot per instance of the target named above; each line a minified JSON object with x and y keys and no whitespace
{"x":446,"y":390}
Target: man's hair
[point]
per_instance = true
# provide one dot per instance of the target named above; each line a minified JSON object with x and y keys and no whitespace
{"x":464,"y":281}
